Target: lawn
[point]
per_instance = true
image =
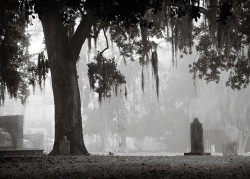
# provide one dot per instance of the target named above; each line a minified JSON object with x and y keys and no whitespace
{"x":97,"y":166}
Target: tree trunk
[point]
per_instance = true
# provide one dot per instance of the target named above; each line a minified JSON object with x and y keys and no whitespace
{"x":68,"y":121}
{"x":243,"y":138}
{"x":107,"y":146}
{"x":123,"y":141}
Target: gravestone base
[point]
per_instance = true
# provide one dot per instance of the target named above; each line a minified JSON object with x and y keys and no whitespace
{"x":64,"y":146}
{"x":197,"y":153}
{"x":21,"y":152}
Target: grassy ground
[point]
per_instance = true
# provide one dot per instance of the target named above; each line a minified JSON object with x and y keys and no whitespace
{"x":125,"y":167}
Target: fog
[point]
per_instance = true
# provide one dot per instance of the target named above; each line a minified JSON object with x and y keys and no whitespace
{"x":139,"y":121}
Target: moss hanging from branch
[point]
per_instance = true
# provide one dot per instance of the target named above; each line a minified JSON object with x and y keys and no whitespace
{"x":220,"y":35}
{"x":172,"y":41}
{"x":95,"y":31}
{"x":2,"y":92}
{"x":39,"y":72}
{"x":157,"y":85}
{"x":126,"y":93}
{"x":167,"y":29}
{"x":145,"y":44}
{"x":142,"y":80}
{"x":42,"y":68}
{"x":248,"y":55}
{"x":189,"y":28}
{"x":14,"y":42}
{"x":175,"y":34}
{"x":228,"y":44}
{"x":104,"y":75}
{"x":89,"y":43}
{"x":154,"y":62}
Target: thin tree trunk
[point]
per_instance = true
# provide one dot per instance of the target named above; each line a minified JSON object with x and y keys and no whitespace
{"x":242,"y":142}
{"x":245,"y":143}
{"x":68,"y":121}
{"x":107,"y":130}
{"x":123,"y":141}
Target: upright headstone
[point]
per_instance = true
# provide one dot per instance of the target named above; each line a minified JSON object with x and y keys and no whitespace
{"x":196,"y":134}
{"x":64,"y":146}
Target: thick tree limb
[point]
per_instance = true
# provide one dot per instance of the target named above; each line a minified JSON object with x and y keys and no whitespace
{"x":79,"y":37}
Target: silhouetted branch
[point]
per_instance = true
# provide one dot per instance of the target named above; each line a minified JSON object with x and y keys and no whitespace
{"x":106,"y":42}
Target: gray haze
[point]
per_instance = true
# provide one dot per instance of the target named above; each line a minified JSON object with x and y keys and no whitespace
{"x":142,"y":123}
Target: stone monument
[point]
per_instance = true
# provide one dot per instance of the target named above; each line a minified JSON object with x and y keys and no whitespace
{"x":64,"y":146}
{"x":196,"y":137}
{"x":14,"y":126}
{"x":12,"y":132}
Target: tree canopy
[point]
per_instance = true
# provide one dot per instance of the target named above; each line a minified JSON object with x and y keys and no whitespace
{"x":222,"y":33}
{"x":14,"y":57}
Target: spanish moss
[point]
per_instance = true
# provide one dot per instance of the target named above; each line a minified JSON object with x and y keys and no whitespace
{"x":2,"y":92}
{"x":142,"y":80}
{"x":104,"y":75}
{"x":89,"y":44}
{"x":126,"y":93}
{"x":95,"y":31}
{"x":157,"y":85}
{"x":154,"y":63}
{"x":42,"y":68}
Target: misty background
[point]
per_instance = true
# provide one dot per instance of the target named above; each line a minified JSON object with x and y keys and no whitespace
{"x":135,"y":120}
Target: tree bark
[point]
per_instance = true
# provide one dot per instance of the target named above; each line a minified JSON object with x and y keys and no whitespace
{"x":68,"y":121}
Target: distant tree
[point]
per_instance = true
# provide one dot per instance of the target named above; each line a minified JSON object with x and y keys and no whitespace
{"x":94,"y":128}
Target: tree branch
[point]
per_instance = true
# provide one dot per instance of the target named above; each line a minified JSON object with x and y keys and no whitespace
{"x":106,"y":42}
{"x":178,"y":4}
{"x":79,"y":37}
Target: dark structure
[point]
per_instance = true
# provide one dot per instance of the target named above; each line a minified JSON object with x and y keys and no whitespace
{"x":196,"y":134}
{"x":196,"y":137}
{"x":14,"y":126}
